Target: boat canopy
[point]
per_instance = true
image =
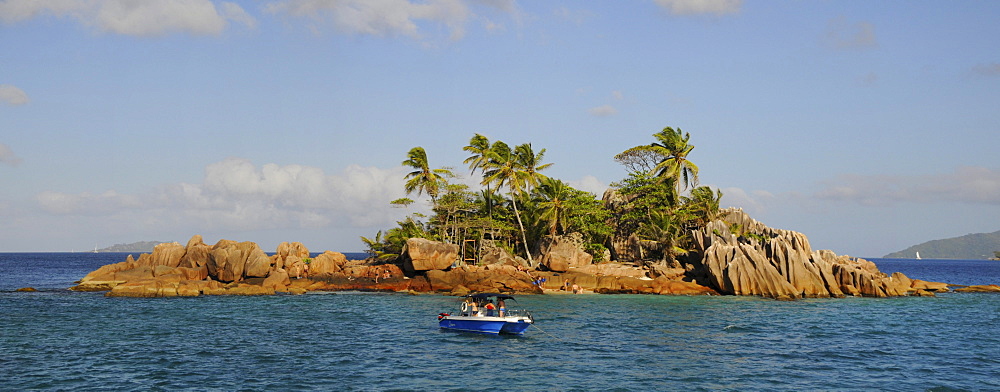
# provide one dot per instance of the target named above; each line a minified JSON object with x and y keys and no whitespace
{"x":488,"y":295}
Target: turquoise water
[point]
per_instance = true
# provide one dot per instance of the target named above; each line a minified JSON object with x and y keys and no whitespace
{"x":55,"y":340}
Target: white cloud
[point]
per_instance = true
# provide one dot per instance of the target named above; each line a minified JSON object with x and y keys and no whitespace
{"x":696,"y":7}
{"x":7,"y":156}
{"x":977,"y":185}
{"x":235,"y":13}
{"x":577,"y":17}
{"x":12,"y":95}
{"x":237,"y":195}
{"x":589,"y":184}
{"x":617,"y":95}
{"x":129,"y":17}
{"x":843,"y":35}
{"x":754,"y":202}
{"x":966,"y":185}
{"x":384,"y":18}
{"x":603,"y":111}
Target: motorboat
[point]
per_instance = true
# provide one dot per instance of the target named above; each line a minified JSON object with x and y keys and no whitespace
{"x":487,"y":313}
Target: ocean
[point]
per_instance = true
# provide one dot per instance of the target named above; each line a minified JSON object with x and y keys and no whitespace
{"x":56,"y":339}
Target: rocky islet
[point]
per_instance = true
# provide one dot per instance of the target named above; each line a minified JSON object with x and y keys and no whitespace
{"x":757,"y":261}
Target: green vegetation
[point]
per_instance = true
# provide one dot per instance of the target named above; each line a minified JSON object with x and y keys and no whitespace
{"x":657,"y":216}
{"x":423,"y":179}
{"x":977,"y":246}
{"x":656,"y":206}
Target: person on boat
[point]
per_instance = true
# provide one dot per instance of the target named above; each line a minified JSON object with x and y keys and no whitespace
{"x":475,"y":309}
{"x":489,"y":308}
{"x":466,"y":306}
{"x":502,"y":306}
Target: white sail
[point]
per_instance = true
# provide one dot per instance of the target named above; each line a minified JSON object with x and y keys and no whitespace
{"x":918,"y":255}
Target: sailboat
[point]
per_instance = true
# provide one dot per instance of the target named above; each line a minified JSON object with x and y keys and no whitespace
{"x":918,"y":255}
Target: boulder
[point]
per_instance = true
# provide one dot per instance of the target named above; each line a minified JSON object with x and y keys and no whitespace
{"x":167,"y":254}
{"x":249,"y":289}
{"x":295,"y":266}
{"x":666,"y":286}
{"x":277,"y":280}
{"x":622,"y":269}
{"x":491,"y":253}
{"x":152,"y":288}
{"x":258,"y":264}
{"x":991,"y":288}
{"x":162,"y":270}
{"x":194,"y":273}
{"x":622,"y":285}
{"x":918,"y":284}
{"x":196,"y":253}
{"x":759,"y":260}
{"x":288,"y":252}
{"x":505,"y":279}
{"x":231,"y":261}
{"x":188,"y":289}
{"x":460,"y":291}
{"x":286,"y":249}
{"x":564,"y":252}
{"x":138,"y":273}
{"x":104,"y":277}
{"x":662,"y":270}
{"x":169,"y":285}
{"x":327,"y":263}
{"x":425,"y":255}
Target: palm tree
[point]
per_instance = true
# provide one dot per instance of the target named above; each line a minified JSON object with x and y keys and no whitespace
{"x":518,"y":170}
{"x":377,"y":249}
{"x":423,"y":179}
{"x":666,"y":233}
{"x":554,"y":195}
{"x":479,"y":146}
{"x":530,"y":165}
{"x":673,"y":148}
{"x":703,"y":204}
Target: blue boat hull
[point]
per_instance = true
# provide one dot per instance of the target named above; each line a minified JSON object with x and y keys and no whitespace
{"x":489,"y":325}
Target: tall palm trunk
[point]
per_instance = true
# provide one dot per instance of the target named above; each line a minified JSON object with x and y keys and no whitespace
{"x":524,"y":237}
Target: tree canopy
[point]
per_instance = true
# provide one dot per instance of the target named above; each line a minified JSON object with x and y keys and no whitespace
{"x":520,"y":206}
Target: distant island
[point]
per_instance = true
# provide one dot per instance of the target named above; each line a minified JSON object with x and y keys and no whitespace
{"x":141,"y":246}
{"x":977,"y":246}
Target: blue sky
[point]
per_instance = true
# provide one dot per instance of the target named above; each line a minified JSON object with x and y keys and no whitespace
{"x":868,"y":126}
